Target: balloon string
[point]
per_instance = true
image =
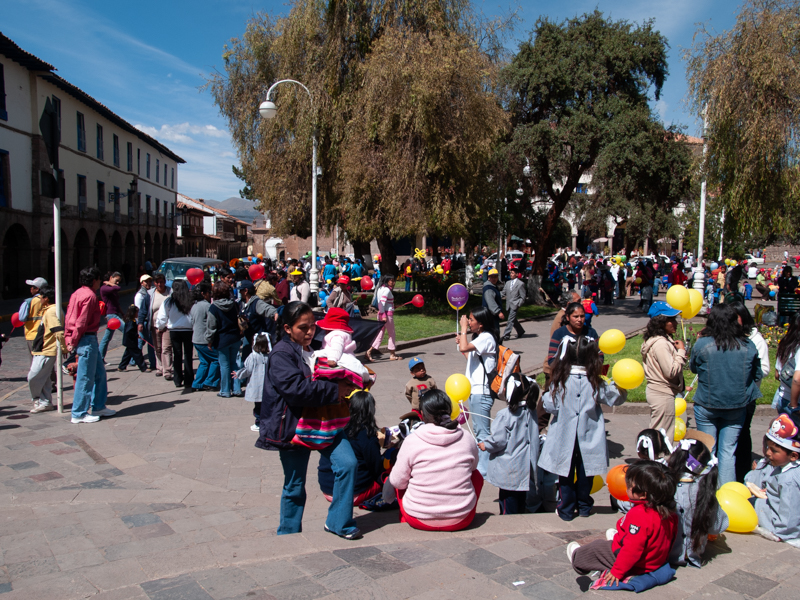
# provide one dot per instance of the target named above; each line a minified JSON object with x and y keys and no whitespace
{"x":683,"y":327}
{"x":146,"y":342}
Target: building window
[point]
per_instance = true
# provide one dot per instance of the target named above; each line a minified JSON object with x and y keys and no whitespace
{"x":165,"y":175}
{"x":130,"y":205}
{"x":147,"y":166}
{"x":130,"y":156}
{"x":5,"y":180}
{"x":116,"y":205}
{"x":147,"y":209}
{"x":116,"y":150}
{"x":101,"y":197}
{"x":158,"y":212}
{"x":81,"y":195}
{"x":81,"y":133}
{"x":172,"y":178}
{"x":3,"y":111}
{"x":138,"y":161}
{"x":100,"y":141}
{"x":166,"y":214}
{"x":158,"y":170}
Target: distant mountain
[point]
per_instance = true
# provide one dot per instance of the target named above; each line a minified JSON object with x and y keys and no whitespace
{"x":238,"y":207}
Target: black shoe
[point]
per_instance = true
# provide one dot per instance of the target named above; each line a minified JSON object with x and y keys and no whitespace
{"x":122,"y":368}
{"x":354,"y":535}
{"x":208,"y":388}
{"x":237,"y":395}
{"x":505,"y":338}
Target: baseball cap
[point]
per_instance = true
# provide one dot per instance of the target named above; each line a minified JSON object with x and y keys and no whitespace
{"x":662,"y":308}
{"x":246,"y":284}
{"x":37,"y":283}
{"x":144,"y":278}
{"x":414,"y":362}
{"x":492,"y":272}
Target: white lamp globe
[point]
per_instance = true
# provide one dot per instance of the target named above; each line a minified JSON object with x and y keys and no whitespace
{"x":268,"y":110}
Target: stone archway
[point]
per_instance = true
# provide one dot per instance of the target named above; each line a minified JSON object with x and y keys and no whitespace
{"x":17,"y":262}
{"x":148,"y":248}
{"x":172,"y":246}
{"x":81,"y":255}
{"x":100,"y":252}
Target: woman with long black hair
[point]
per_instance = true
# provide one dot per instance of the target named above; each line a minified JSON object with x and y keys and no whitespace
{"x":175,"y":315}
{"x":728,"y":371}
{"x":288,"y":388}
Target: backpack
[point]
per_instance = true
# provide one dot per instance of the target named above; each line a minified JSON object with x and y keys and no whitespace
{"x":25,"y":309}
{"x":374,"y":303}
{"x":787,"y":372}
{"x":507,"y":365}
{"x":38,"y":342}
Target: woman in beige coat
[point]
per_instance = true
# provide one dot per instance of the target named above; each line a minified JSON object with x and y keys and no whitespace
{"x":663,"y":360}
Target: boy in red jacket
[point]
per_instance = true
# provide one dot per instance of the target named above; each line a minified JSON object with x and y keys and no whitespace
{"x":644,"y":536}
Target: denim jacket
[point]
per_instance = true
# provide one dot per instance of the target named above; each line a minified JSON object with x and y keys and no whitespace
{"x":725,"y":379}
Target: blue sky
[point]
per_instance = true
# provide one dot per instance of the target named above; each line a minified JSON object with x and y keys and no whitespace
{"x":146,"y":60}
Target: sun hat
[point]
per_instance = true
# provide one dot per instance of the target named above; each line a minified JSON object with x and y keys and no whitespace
{"x":337,"y":319}
{"x":296,"y":272}
{"x":662,"y":308}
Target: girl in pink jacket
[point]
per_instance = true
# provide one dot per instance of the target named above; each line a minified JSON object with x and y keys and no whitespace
{"x":428,"y":500}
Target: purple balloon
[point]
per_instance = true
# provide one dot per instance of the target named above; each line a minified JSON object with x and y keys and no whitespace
{"x":457,"y":296}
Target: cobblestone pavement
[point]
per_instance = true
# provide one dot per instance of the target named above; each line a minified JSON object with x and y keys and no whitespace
{"x":169,"y":500}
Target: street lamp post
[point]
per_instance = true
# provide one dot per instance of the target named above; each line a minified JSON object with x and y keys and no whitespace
{"x":699,"y":272}
{"x":268,"y":110}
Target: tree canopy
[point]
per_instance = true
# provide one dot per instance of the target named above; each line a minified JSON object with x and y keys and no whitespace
{"x":577,"y":90}
{"x":746,"y":82}
{"x":403,"y":107}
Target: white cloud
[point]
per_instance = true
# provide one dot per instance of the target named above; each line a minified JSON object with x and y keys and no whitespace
{"x":182,"y":132}
{"x":661,"y":108}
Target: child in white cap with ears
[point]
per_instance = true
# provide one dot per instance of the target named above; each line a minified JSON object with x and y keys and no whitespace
{"x":775,"y":482}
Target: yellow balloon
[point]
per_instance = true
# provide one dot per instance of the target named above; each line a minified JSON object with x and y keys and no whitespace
{"x":456,"y":410}
{"x":742,"y":517}
{"x":680,"y":429}
{"x":638,"y":280}
{"x":439,"y":270}
{"x":678,"y":297}
{"x":737,"y":487}
{"x":597,"y":483}
{"x":457,"y":387}
{"x":680,"y":406}
{"x":694,"y":305}
{"x":627,"y":373}
{"x":612,"y":341}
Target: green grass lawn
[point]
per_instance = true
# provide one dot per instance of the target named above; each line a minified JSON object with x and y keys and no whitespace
{"x":633,"y":349}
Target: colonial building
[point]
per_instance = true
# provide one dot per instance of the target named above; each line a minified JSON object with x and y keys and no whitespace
{"x":117,"y":185}
{"x":224,"y":236}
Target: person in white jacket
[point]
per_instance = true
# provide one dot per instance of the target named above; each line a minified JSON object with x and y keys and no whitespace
{"x":175,"y":315}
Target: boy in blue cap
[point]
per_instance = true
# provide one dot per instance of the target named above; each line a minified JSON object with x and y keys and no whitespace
{"x":419,"y":383}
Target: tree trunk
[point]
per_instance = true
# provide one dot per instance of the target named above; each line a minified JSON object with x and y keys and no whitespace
{"x":388,"y":255}
{"x":535,"y":295}
{"x":361,"y":250}
{"x":540,"y":260}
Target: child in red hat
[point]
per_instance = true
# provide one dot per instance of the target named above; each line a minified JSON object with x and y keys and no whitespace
{"x":338,"y":349}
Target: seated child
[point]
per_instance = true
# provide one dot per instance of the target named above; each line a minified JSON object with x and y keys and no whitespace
{"x":337,"y":359}
{"x":644,"y":536}
{"x":651,"y":444}
{"x":775,"y":482}
{"x":419,"y":383}
{"x":699,"y":512}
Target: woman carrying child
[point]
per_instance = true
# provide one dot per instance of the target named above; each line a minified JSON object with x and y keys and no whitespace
{"x":699,"y":512}
{"x":575,"y":448}
{"x":513,"y":446}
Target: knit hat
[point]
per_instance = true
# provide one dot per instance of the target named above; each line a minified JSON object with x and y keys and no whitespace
{"x":337,"y":319}
{"x":783,"y":432}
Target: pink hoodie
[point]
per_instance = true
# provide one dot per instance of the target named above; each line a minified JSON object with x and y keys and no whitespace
{"x":434,"y":466}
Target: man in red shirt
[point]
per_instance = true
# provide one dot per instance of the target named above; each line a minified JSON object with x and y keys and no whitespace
{"x":82,"y":322}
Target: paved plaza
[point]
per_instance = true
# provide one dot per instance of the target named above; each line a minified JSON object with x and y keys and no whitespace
{"x":169,"y":499}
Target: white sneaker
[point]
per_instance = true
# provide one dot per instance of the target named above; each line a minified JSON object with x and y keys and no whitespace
{"x":610,"y":533}
{"x":42,"y":407}
{"x":86,"y":419}
{"x":571,"y":547}
{"x":105,"y":412}
{"x":254,"y":427}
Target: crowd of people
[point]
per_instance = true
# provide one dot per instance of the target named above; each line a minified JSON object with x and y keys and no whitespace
{"x":253,"y":339}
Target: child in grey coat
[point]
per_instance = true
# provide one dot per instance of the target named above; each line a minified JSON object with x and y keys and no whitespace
{"x":576,"y":449}
{"x":255,"y":370}
{"x":513,"y":445}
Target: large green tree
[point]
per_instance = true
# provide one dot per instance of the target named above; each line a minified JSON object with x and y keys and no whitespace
{"x":573,"y":90}
{"x":403,"y":107}
{"x":746,"y":82}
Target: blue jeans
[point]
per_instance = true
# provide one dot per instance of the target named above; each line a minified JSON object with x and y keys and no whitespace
{"x":227,"y":364}
{"x":108,"y":335}
{"x":208,"y":369}
{"x":724,"y":425}
{"x":91,"y":387}
{"x":293,"y":499}
{"x":575,"y":489}
{"x":480,"y":408}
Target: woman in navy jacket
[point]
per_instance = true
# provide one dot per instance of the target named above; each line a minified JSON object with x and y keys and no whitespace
{"x":288,"y":387}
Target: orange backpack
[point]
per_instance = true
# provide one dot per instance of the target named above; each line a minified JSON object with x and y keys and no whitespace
{"x":507,"y":365}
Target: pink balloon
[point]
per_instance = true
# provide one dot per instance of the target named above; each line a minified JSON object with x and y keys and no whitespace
{"x":114,"y":324}
{"x":195,"y":276}
{"x":256,"y":272}
{"x":15,"y":322}
{"x":366,"y":283}
{"x":418,"y":301}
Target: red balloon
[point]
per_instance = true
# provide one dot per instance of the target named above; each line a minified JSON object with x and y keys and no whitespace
{"x":114,"y":324}
{"x":195,"y":275}
{"x":418,"y":301}
{"x":367,"y":284}
{"x":15,"y":322}
{"x":616,"y":482}
{"x":256,"y":272}
{"x":102,"y":307}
